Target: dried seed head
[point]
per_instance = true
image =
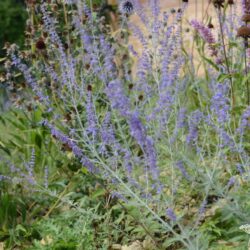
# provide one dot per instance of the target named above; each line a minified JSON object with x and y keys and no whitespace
{"x":30,"y":2}
{"x":54,"y":7}
{"x":45,"y":34}
{"x":29,"y":108}
{"x":66,"y":46}
{"x":218,"y":3}
{"x":140,"y":97}
{"x":36,"y":98}
{"x":173,"y":11}
{"x":185,"y":1}
{"x":66,"y":147}
{"x":89,"y":88}
{"x":230,"y":2}
{"x":40,"y":44}
{"x":6,"y":45}
{"x":67,"y":116}
{"x":243,"y":31}
{"x":125,"y":57}
{"x":210,"y":26}
{"x":246,"y":18}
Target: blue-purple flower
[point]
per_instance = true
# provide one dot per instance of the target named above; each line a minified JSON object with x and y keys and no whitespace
{"x":127,"y":6}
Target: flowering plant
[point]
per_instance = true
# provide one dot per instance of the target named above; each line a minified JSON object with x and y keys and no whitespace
{"x":152,"y":132}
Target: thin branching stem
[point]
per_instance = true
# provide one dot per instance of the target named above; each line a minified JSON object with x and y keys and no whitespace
{"x":225,"y":56}
{"x":246,"y":70}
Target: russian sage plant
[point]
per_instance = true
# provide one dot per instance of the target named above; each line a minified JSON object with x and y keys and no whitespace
{"x":160,"y":137}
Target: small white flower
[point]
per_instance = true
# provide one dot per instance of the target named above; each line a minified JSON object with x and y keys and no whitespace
{"x":245,"y":228}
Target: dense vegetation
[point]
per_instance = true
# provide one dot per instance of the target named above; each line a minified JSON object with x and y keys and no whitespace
{"x":107,"y":145}
{"x":12,"y":22}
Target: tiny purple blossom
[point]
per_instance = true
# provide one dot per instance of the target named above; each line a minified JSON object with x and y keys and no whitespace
{"x":182,"y":169}
{"x":245,"y":123}
{"x":119,"y":196}
{"x":231,"y":182}
{"x":137,"y":129}
{"x":117,"y":97}
{"x":203,"y":208}
{"x":240,"y":169}
{"x":92,"y":129}
{"x":194,"y":122}
{"x":220,"y":103}
{"x":171,"y":215}
{"x":46,"y":177}
{"x":245,"y":6}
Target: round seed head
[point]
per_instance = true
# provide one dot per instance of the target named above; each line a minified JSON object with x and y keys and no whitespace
{"x":40,"y":44}
{"x":243,"y":31}
{"x":246,"y":18}
{"x":140,"y":97}
{"x":210,"y":26}
{"x":130,"y":86}
{"x":173,"y":11}
{"x":89,"y":87}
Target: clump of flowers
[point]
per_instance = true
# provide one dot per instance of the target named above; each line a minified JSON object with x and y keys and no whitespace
{"x":149,"y":134}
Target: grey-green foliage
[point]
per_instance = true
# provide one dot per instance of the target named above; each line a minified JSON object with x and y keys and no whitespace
{"x":66,"y":231}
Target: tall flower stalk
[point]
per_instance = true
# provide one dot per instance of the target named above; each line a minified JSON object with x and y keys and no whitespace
{"x":220,"y":17}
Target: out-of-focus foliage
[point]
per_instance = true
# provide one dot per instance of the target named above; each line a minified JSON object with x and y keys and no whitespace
{"x":12,"y":22}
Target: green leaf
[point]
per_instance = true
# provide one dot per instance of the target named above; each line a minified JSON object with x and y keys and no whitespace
{"x":98,"y":193}
{"x":223,"y":77}
{"x":21,"y":228}
{"x":38,"y":140}
{"x":210,"y":62}
{"x":4,"y":148}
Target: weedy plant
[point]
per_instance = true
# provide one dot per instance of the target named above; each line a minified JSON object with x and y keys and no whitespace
{"x":171,"y":144}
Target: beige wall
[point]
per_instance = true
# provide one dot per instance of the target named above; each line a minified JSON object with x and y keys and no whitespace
{"x":196,"y":8}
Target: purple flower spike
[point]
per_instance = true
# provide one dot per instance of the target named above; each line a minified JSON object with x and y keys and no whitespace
{"x":171,"y":215}
{"x":206,"y":35}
